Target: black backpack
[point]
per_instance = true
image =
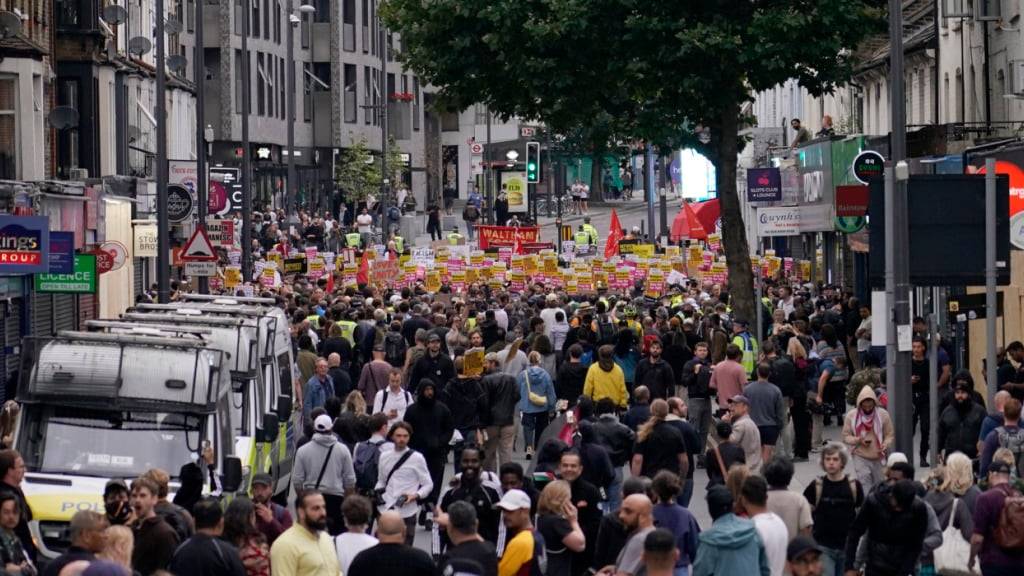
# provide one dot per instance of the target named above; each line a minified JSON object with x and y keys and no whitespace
{"x":605,"y":329}
{"x":394,"y":349}
{"x":366,"y":463}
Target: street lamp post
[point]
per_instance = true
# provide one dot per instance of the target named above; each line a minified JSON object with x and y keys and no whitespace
{"x":293,"y":189}
{"x":384,"y":179}
{"x":246,"y":150}
{"x":163,"y":222}
{"x":202,"y":180}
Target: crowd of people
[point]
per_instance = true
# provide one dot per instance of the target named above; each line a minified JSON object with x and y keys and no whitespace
{"x":617,"y":402}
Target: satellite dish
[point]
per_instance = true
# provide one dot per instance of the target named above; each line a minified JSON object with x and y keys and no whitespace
{"x":172,"y":26}
{"x":176,"y":62}
{"x":10,"y":24}
{"x":63,"y":117}
{"x":134,"y":133}
{"x":114,"y":14}
{"x":139,"y":45}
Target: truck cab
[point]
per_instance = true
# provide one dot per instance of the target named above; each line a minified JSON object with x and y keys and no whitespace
{"x":99,"y":406}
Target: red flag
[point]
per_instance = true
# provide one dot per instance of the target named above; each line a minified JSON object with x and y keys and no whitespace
{"x":330,"y":282}
{"x":611,"y":247}
{"x":363,"y":275}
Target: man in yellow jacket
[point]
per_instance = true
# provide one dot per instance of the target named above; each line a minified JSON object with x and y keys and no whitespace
{"x":605,"y":379}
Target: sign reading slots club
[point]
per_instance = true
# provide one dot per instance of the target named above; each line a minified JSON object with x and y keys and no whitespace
{"x":764,"y":185}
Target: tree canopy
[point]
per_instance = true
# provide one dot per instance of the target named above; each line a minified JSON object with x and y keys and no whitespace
{"x":649,"y":70}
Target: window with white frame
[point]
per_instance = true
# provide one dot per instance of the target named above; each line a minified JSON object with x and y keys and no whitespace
{"x":8,"y":128}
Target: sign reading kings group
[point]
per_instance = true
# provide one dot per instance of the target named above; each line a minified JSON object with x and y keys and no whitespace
{"x":24,"y":244}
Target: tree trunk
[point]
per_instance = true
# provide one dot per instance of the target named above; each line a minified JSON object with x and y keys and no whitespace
{"x":734,"y":236}
{"x":596,"y":178}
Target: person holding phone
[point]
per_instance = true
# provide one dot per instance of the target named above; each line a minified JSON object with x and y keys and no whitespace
{"x":869,"y":434}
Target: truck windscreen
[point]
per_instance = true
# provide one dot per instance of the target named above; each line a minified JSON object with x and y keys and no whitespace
{"x":115,"y":444}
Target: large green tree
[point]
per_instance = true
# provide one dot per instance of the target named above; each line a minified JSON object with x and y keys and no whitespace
{"x":655,"y":68}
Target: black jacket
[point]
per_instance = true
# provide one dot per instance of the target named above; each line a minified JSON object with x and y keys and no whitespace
{"x":203,"y":555}
{"x":657,"y":376}
{"x":616,"y":437}
{"x":895,"y":538}
{"x":431,"y":427}
{"x":502,"y":396}
{"x":598,"y":468}
{"x":466,"y":400}
{"x":438,"y":368}
{"x":569,"y":384}
{"x":784,"y":376}
{"x":959,"y":427}
{"x":697,"y":385}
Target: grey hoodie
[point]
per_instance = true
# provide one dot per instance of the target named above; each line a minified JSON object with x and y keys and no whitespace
{"x":339,"y":474}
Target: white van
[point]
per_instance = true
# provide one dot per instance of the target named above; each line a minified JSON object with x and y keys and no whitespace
{"x":97,"y":406}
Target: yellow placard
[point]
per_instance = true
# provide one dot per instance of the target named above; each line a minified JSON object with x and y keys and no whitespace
{"x":531,"y":264}
{"x":471,"y":275}
{"x":473,"y":362}
{"x":644,"y":250}
{"x":433,"y":283}
{"x":551,"y":266}
{"x":233,"y":276}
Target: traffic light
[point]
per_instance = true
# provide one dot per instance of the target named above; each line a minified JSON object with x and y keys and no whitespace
{"x":533,"y":162}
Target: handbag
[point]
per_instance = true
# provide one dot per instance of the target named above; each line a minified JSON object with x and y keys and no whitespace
{"x":535,"y":399}
{"x":952,"y":555}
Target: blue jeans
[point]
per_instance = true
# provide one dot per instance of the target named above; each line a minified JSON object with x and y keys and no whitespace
{"x":687,"y":493}
{"x":832,"y":561}
{"x":534,"y":424}
{"x":614,"y":492}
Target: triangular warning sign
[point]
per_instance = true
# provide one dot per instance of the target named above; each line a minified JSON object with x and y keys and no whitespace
{"x":198,"y":248}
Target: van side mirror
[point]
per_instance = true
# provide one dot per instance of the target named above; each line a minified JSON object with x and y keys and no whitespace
{"x":231,"y":479}
{"x":269,"y":430}
{"x":284,"y":407}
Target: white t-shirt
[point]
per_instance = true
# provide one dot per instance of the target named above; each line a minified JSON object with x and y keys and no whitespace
{"x":365,"y":221}
{"x":775,"y":538}
{"x":348,"y":544}
{"x":394,"y":401}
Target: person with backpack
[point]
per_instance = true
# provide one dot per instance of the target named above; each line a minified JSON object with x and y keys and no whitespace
{"x":394,"y":400}
{"x":834,"y":498}
{"x":1009,"y":436}
{"x":471,"y":213}
{"x":366,"y":456}
{"x":998,"y":539}
{"x":324,"y":464}
{"x":395,"y":346}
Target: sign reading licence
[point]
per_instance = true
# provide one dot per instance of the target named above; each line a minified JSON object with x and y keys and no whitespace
{"x":81,"y":281}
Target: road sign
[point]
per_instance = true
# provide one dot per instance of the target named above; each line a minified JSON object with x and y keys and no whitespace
{"x":476,"y":148}
{"x":198,"y":248}
{"x":200,"y":268}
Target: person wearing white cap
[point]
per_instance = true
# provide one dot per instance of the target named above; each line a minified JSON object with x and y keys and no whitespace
{"x":526,"y":546}
{"x":325,"y":464}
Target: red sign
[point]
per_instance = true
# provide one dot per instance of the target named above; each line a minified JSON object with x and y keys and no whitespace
{"x":506,"y":235}
{"x":852,"y":200}
{"x":104,"y":261}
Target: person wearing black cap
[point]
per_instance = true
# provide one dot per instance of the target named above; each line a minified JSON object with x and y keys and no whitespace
{"x":115,"y":502}
{"x":271,"y":518}
{"x":960,"y":422}
{"x":731,"y":547}
{"x":434,"y":365}
{"x":803,"y":557}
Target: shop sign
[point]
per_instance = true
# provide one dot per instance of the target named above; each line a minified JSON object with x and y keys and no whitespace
{"x":24,"y":244}
{"x":867,"y":166}
{"x":62,"y":252}
{"x":794,"y":220}
{"x":852,"y":200}
{"x":82,"y":280}
{"x":506,"y":235}
{"x":764,"y":185}
{"x":145,"y":241}
{"x":179,"y":203}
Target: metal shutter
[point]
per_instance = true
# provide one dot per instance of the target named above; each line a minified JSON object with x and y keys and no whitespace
{"x":86,"y":309}
{"x":65,"y":313}
{"x":42,"y":314}
{"x":140,"y":275}
{"x":12,"y":340}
